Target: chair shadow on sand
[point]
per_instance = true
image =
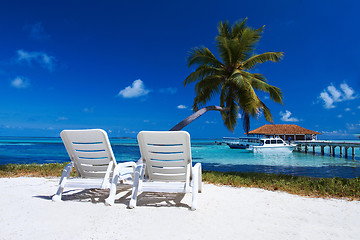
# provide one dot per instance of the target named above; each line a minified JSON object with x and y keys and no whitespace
{"x":123,"y":194}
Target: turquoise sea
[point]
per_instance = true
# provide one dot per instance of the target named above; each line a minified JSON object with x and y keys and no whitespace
{"x":212,"y":157}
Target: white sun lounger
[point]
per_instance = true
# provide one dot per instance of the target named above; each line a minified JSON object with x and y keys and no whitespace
{"x":167,"y":165}
{"x":92,"y":157}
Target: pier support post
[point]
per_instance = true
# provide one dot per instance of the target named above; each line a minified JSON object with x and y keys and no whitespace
{"x":330,"y":150}
{"x":313,"y":149}
{"x":299,"y":147}
{"x":322,"y":150}
{"x":346,"y":150}
{"x":306,"y":148}
{"x":341,"y":151}
{"x":353,"y":152}
{"x":333,"y":151}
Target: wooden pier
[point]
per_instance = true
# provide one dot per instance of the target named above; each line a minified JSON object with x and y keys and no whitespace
{"x":332,"y":146}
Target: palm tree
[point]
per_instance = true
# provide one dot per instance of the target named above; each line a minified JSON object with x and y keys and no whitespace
{"x":232,"y":76}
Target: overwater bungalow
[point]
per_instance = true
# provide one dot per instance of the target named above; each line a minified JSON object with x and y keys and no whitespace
{"x":285,"y":131}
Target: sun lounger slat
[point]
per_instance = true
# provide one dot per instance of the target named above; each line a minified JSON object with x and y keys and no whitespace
{"x":93,"y":161}
{"x":167,"y":170}
{"x":95,"y":174}
{"x":172,"y":156}
{"x":169,"y":177}
{"x":94,"y":168}
{"x":93,"y":155}
{"x":166,"y":149}
{"x":167,"y":163}
{"x":89,"y":146}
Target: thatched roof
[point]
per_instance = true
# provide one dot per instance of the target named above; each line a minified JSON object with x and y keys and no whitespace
{"x":282,"y":129}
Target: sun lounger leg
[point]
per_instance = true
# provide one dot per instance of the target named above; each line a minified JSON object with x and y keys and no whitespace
{"x":64,"y":176}
{"x":195,"y":187}
{"x":135,"y":188}
{"x":111,"y":199}
{"x":200,"y":177}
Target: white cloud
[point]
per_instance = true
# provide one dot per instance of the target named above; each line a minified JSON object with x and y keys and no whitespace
{"x":347,"y":109}
{"x":137,"y":89}
{"x":332,"y":95}
{"x":41,"y":58}
{"x":358,"y":107}
{"x":239,"y":115}
{"x":36,"y":31}
{"x":339,"y":116}
{"x":353,"y":126}
{"x":62,"y":119}
{"x":88,"y":110}
{"x":126,"y":130}
{"x":286,"y":117}
{"x":327,"y":100}
{"x":20,"y":82}
{"x":168,"y":90}
{"x":339,"y":133}
{"x":210,"y":122}
{"x":348,"y":91}
{"x":182,"y":107}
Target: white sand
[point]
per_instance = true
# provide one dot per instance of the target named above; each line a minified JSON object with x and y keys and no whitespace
{"x":26,"y":212}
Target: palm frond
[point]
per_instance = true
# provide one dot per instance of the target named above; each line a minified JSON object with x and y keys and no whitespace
{"x":248,"y":102}
{"x":224,"y":29}
{"x":275,"y":94}
{"x":203,"y":56}
{"x":266,"y":111}
{"x":261,"y":58}
{"x":258,"y":83}
{"x":201,"y":72}
{"x":206,"y":89}
{"x":248,"y":40}
{"x":223,"y":94}
{"x":224,"y":49}
{"x":247,"y":98}
{"x":238,"y":28}
{"x":230,"y":116}
{"x":259,"y":77}
{"x":209,"y":82}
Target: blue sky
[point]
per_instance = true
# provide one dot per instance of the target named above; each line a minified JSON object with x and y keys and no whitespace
{"x":120,"y":65}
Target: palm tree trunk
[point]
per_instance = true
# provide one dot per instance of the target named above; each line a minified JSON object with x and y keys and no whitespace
{"x":195,"y":115}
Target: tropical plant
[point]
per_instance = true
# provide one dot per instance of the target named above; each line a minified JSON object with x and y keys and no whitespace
{"x":232,"y":76}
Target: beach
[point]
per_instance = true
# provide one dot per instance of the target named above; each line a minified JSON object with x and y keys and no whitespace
{"x":27,"y":212}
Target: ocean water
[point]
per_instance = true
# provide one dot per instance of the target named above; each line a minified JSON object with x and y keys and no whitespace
{"x":210,"y":155}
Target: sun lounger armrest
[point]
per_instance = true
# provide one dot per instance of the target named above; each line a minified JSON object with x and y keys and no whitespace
{"x":121,"y":167}
{"x":119,"y":172}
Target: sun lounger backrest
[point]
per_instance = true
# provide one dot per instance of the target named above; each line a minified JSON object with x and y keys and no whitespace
{"x":90,"y":151}
{"x":167,"y":155}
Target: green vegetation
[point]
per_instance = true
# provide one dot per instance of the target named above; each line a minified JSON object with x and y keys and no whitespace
{"x":33,"y":170}
{"x":232,"y":75}
{"x":304,"y":186}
